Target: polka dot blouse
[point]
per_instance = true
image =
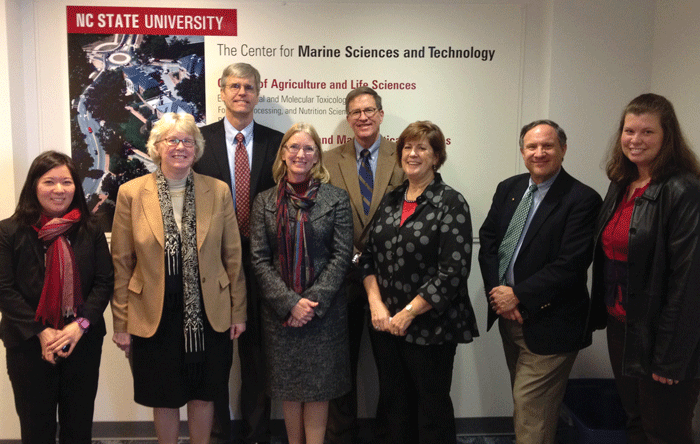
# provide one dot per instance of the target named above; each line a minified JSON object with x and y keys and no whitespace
{"x":429,"y":255}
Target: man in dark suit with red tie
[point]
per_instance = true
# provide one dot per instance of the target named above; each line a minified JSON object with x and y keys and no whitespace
{"x":241,"y":152}
{"x":536,"y":246}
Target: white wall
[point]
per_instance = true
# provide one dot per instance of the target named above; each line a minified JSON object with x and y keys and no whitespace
{"x":583,"y":62}
{"x":8,"y":16}
{"x":676,"y":61}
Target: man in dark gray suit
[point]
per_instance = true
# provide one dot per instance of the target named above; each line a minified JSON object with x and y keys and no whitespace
{"x":230,"y":144}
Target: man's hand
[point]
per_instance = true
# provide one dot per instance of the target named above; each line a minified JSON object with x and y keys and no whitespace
{"x":502,"y":300}
{"x":513,"y":315}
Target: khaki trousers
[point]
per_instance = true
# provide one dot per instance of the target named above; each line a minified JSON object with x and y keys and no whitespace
{"x":538,"y":383}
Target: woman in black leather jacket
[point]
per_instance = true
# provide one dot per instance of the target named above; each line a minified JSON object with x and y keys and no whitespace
{"x":646,"y":272}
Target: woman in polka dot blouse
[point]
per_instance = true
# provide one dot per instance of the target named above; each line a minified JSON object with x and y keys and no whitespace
{"x":415,"y":265}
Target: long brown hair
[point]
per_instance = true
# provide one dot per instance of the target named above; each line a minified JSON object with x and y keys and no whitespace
{"x":675,"y":156}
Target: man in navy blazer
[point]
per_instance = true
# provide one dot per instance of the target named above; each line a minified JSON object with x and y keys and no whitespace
{"x":540,"y":294}
{"x":240,"y":90}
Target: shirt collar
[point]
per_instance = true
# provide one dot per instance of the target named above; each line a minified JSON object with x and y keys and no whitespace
{"x":231,"y":132}
{"x":544,"y":186}
{"x":372,"y":149}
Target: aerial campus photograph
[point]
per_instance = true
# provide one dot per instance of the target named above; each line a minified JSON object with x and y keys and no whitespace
{"x":119,"y":85}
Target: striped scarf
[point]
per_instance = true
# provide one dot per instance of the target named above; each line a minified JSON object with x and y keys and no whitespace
{"x":293,"y":236}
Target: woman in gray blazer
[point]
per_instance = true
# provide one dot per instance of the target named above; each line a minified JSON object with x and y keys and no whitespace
{"x":301,"y":244}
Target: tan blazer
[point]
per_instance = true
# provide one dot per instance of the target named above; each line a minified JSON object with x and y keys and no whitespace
{"x":138,"y":255}
{"x":341,"y":162}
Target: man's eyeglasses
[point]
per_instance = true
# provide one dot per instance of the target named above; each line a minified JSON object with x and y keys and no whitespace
{"x":294,"y":149}
{"x":173,"y":142}
{"x":237,"y":86}
{"x":369,"y":112}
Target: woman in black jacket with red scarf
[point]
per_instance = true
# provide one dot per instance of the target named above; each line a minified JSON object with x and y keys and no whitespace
{"x":646,"y":272}
{"x":56,"y":279}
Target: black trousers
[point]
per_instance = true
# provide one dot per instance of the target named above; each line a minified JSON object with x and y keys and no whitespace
{"x":342,"y":425}
{"x":255,"y":404}
{"x":41,"y":388}
{"x":656,"y":413}
{"x":414,"y":391}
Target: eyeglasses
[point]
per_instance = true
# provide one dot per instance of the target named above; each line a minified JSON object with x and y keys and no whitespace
{"x":237,"y":86}
{"x":173,"y":142}
{"x":294,"y":149}
{"x":369,"y":113}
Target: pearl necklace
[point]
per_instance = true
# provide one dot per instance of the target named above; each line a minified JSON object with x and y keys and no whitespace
{"x":405,"y":197}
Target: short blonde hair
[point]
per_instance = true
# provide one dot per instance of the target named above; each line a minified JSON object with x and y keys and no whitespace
{"x":171,"y":122}
{"x":318,"y":171}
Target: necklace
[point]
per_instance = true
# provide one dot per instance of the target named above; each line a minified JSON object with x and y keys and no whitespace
{"x":405,"y":197}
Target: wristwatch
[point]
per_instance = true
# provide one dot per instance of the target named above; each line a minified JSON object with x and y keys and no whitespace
{"x":83,"y":323}
{"x":409,"y":308}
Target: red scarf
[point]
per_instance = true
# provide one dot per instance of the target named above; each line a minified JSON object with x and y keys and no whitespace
{"x":61,"y":296}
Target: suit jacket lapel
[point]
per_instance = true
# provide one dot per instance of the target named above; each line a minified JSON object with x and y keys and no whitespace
{"x":385,"y":167}
{"x":204,"y":203}
{"x":321,"y":206}
{"x":220,"y":152}
{"x":151,"y":208}
{"x":259,"y":154}
{"x":348,"y":168}
{"x":548,"y":204}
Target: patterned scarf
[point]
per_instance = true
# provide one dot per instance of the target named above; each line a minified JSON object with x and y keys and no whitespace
{"x":61,"y":296}
{"x":293,"y":238}
{"x":183,"y":248}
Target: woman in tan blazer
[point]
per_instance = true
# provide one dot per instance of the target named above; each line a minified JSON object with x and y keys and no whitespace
{"x":179,"y":296}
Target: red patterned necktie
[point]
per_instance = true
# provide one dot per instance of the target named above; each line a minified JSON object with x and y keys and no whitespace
{"x":242,"y":172}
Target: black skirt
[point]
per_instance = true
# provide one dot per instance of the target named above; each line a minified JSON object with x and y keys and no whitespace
{"x":161,"y":376}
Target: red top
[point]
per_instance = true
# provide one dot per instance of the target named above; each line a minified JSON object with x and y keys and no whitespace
{"x":407,"y":210}
{"x":615,"y":241}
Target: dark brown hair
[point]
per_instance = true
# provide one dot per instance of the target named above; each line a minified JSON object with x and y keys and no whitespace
{"x":675,"y":156}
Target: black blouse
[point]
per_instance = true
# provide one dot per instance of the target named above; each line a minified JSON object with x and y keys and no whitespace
{"x":429,"y":255}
